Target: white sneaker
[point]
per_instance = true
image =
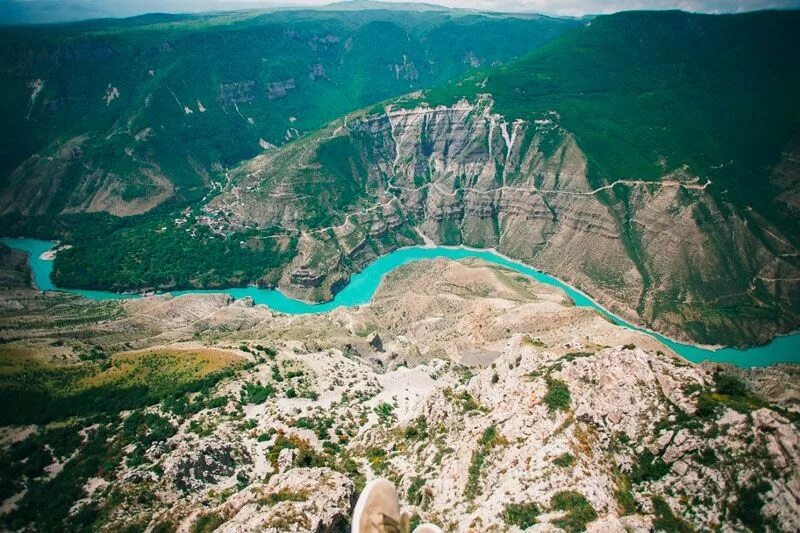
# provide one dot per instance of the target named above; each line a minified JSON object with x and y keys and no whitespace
{"x":378,"y":510}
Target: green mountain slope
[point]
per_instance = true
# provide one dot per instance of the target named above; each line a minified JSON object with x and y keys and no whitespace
{"x":650,"y":159}
{"x":648,"y":92}
{"x":122,"y":116}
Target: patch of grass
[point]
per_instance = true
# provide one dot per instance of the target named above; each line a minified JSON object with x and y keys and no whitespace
{"x":626,"y":504}
{"x":571,"y":356}
{"x":527,"y":340}
{"x":522,"y":515}
{"x":284,"y":495}
{"x":486,"y":443}
{"x":579,"y":511}
{"x":566,"y":460}
{"x":126,"y":381}
{"x":649,"y":468}
{"x":665,"y":519}
{"x":557,"y":397}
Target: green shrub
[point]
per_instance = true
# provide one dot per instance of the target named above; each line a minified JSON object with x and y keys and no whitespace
{"x":206,"y":523}
{"x":385,"y":412}
{"x":145,"y":429}
{"x":522,"y":515}
{"x":729,"y":385}
{"x":255,"y":393}
{"x":665,"y":520}
{"x":414,"y":494}
{"x":649,"y":468}
{"x":749,"y":503}
{"x":707,"y":457}
{"x":488,"y":440}
{"x":565,"y":460}
{"x":579,"y":511}
{"x":417,"y":430}
{"x":557,"y":396}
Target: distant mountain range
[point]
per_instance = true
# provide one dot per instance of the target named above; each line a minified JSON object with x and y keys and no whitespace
{"x":53,"y":11}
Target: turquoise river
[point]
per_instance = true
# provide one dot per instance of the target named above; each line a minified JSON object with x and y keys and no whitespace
{"x":363,"y":285}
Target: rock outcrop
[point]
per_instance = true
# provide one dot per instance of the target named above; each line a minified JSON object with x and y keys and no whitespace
{"x":492,"y":402}
{"x":662,"y":253}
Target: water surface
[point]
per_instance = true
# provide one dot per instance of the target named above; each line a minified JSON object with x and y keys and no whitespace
{"x":362,"y":287}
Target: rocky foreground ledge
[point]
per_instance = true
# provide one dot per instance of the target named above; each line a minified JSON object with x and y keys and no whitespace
{"x":491,"y":401}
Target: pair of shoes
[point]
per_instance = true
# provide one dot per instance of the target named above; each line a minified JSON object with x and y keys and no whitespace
{"x":378,"y":511}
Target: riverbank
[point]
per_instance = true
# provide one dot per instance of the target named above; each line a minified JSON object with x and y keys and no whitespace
{"x":362,"y":287}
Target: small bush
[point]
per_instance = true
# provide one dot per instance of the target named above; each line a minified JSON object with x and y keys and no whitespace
{"x":256,"y":393}
{"x":385,"y":412}
{"x":488,"y":440}
{"x":557,"y":396}
{"x":665,"y":520}
{"x":707,"y":457}
{"x":565,"y":460}
{"x":579,"y":511}
{"x":417,"y":430}
{"x":522,"y":515}
{"x":749,"y":504}
{"x":729,"y":385}
{"x":206,"y":523}
{"x":414,"y":494}
{"x":649,"y":468}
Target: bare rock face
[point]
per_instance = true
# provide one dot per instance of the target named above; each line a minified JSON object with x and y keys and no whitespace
{"x":465,"y":174}
{"x":14,"y":270}
{"x":493,"y":393}
{"x":192,"y":467}
{"x":238,"y":92}
{"x":280,"y":88}
{"x":302,"y":499}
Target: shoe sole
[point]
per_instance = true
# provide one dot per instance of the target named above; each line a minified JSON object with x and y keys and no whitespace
{"x":361,"y":503}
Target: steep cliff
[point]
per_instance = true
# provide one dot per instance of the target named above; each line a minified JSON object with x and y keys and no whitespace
{"x":668,"y":253}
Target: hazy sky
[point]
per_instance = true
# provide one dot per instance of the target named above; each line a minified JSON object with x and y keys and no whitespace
{"x":13,"y":11}
{"x":583,"y":7}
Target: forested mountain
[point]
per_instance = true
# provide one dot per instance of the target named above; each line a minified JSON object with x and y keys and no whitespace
{"x":120,"y":116}
{"x":649,"y":158}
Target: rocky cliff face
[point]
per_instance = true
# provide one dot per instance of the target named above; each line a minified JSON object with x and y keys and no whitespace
{"x":674,"y":253}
